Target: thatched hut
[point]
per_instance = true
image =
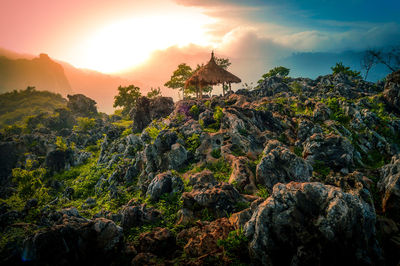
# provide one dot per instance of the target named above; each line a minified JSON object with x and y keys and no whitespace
{"x":210,"y":74}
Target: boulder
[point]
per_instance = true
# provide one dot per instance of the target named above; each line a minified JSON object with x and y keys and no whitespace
{"x":391,"y":93}
{"x":280,"y":165}
{"x":389,"y":186}
{"x":160,"y":242}
{"x":81,"y":105}
{"x":218,"y":201}
{"x":164,"y":183}
{"x":333,"y":150}
{"x":58,"y":160}
{"x":203,"y":238}
{"x":177,"y":156}
{"x":146,"y":110}
{"x":75,"y":241}
{"x":312,"y":224}
{"x":138,"y":215}
{"x":242,"y":176}
{"x":10,"y":153}
{"x":201,"y":179}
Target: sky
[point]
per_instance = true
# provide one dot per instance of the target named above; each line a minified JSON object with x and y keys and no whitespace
{"x":113,"y":36}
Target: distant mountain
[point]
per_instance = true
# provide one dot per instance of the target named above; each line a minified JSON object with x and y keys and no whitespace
{"x":42,"y":73}
{"x":18,"y":71}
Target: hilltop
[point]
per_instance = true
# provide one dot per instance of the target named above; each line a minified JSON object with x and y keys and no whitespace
{"x":294,"y":172}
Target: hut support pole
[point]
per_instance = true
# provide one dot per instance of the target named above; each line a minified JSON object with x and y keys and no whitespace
{"x":230,"y":88}
{"x":200,"y":92}
{"x":223,"y":89}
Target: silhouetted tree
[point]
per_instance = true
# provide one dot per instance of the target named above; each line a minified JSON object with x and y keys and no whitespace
{"x":389,"y":58}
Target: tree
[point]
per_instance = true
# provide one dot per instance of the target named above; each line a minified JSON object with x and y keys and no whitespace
{"x":179,"y":77}
{"x":367,"y":62}
{"x":276,"y":71}
{"x":127,"y":98}
{"x":340,"y":68}
{"x":154,"y":93}
{"x":389,"y":58}
{"x":223,"y":62}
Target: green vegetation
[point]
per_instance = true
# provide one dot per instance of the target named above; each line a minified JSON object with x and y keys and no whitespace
{"x":296,"y":88}
{"x":127,"y":98}
{"x":276,"y":71}
{"x":298,"y":151}
{"x":192,"y":143}
{"x":321,"y":169}
{"x":221,"y":169}
{"x":16,"y":106}
{"x":153,"y":93}
{"x":84,"y":124}
{"x":337,"y":112}
{"x":194,"y":110}
{"x":236,"y":150}
{"x":262,"y":192}
{"x":236,"y":247}
{"x":216,"y":153}
{"x":340,"y":68}
{"x":179,"y":77}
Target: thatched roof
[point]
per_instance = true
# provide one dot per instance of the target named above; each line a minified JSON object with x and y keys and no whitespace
{"x":211,"y":74}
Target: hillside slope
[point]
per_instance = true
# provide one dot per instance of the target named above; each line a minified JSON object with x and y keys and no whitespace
{"x":17,"y":105}
{"x":295,"y":172}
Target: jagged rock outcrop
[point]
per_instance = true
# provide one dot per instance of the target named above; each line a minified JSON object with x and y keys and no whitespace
{"x":164,"y":183}
{"x":333,"y":150}
{"x":202,"y":238}
{"x":392,"y":91}
{"x":242,"y":176}
{"x":58,"y":160}
{"x":75,"y":241}
{"x":218,"y":200}
{"x":160,"y":242}
{"x":146,"y":110}
{"x":312,"y":223}
{"x":135,"y":214}
{"x":280,"y":165}
{"x":81,"y":105}
{"x":389,"y":186}
{"x":10,"y":153}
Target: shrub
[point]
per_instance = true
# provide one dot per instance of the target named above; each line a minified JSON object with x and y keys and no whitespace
{"x":296,"y":88}
{"x":30,"y":183}
{"x":321,"y":169}
{"x":216,"y":153}
{"x":236,"y":150}
{"x":194,"y":111}
{"x":276,"y":71}
{"x":61,"y":143}
{"x":218,"y":114}
{"x":192,"y":143}
{"x":340,"y":68}
{"x":262,"y":192}
{"x":235,"y":247}
{"x":337,"y":112}
{"x":85,"y":124}
{"x":221,"y":169}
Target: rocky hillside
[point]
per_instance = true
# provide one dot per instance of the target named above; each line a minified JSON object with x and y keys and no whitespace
{"x":295,"y":172}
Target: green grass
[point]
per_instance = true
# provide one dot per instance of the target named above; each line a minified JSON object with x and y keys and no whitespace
{"x":16,"y":106}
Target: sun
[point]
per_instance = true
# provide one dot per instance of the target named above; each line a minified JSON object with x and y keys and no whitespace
{"x":129,"y":42}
